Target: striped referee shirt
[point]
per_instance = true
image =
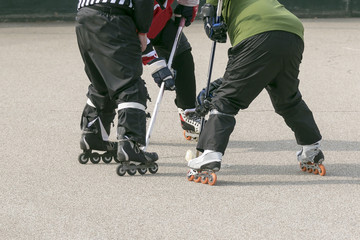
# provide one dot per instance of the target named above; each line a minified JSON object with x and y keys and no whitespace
{"x":85,"y":3}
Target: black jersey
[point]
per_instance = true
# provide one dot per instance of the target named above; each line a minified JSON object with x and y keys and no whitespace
{"x":86,"y":3}
{"x":141,"y":10}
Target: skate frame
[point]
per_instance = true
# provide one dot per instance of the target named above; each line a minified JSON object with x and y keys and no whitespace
{"x":162,"y":87}
{"x":211,"y":63}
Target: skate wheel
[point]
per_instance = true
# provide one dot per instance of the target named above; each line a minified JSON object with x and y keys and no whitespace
{"x":106,"y":158}
{"x":154,"y":168}
{"x":120,"y":170}
{"x":116,"y":159}
{"x":303,"y":168}
{"x":83,"y":159}
{"x":197,"y":178}
{"x":142,"y":171}
{"x":131,"y":171}
{"x":316,"y":171}
{"x":189,"y":176}
{"x":204,"y":180}
{"x":309,"y":170}
{"x":212,"y":179}
{"x":187,"y":137}
{"x":322,"y":171}
{"x":95,"y":158}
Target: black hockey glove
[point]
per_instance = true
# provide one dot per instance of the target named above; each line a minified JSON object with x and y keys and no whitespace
{"x":161,"y":73}
{"x":203,"y":103}
{"x":186,"y":12}
{"x":215,"y":31}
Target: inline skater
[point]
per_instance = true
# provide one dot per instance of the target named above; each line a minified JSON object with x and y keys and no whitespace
{"x":111,"y":37}
{"x":161,"y":38}
{"x":267,"y":47}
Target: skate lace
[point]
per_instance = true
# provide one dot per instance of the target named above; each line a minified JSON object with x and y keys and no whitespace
{"x":136,"y":148}
{"x":192,"y":119}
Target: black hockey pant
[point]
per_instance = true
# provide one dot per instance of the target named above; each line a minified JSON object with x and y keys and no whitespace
{"x":269,"y":60}
{"x":183,"y":64}
{"x":111,"y":52}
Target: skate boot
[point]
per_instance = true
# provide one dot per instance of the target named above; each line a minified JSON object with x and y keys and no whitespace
{"x":191,"y":124}
{"x":95,"y":137}
{"x":310,"y":158}
{"x":203,"y":168}
{"x":90,"y":141}
{"x":129,"y":151}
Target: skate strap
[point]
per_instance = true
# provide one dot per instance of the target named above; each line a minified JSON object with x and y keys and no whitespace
{"x":90,"y":103}
{"x":131,"y":105}
{"x":214,"y":112}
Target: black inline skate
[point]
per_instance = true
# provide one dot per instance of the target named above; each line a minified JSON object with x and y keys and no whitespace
{"x":94,"y":138}
{"x":129,"y":151}
{"x":190,"y":123}
{"x":89,"y":142}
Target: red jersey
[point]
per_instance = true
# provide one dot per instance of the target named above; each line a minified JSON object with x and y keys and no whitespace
{"x":162,"y":14}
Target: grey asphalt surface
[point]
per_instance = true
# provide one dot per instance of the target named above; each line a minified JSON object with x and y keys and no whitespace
{"x":261,"y":192}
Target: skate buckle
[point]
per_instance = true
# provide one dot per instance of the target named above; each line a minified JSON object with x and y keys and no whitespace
{"x":192,"y":172}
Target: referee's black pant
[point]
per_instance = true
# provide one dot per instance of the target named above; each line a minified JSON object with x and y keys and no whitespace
{"x":111,"y":52}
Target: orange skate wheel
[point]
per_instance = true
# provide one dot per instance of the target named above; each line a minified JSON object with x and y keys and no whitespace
{"x":187,"y":138}
{"x":322,"y":171}
{"x":316,"y":171}
{"x":197,"y":179}
{"x":204,"y":180}
{"x":190,"y":178}
{"x":212,"y":179}
{"x":309,"y":170}
{"x":302,"y":168}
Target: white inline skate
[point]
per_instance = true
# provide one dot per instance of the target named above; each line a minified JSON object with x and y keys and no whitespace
{"x":203,"y":168}
{"x":310,"y":158}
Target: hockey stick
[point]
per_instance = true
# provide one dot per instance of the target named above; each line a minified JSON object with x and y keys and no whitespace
{"x":162,"y":87}
{"x":211,"y":63}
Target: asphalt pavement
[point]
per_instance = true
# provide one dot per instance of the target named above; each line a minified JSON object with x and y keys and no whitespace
{"x":261,"y":193}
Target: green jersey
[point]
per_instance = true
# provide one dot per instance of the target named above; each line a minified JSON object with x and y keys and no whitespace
{"x":246,"y":18}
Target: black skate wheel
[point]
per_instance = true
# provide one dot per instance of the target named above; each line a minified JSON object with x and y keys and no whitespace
{"x":120,"y":170}
{"x":83,"y":158}
{"x":154,"y":168}
{"x":95,"y":158}
{"x":106,"y":158}
{"x":131,"y":171}
{"x":116,"y":159}
{"x":142,"y":171}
